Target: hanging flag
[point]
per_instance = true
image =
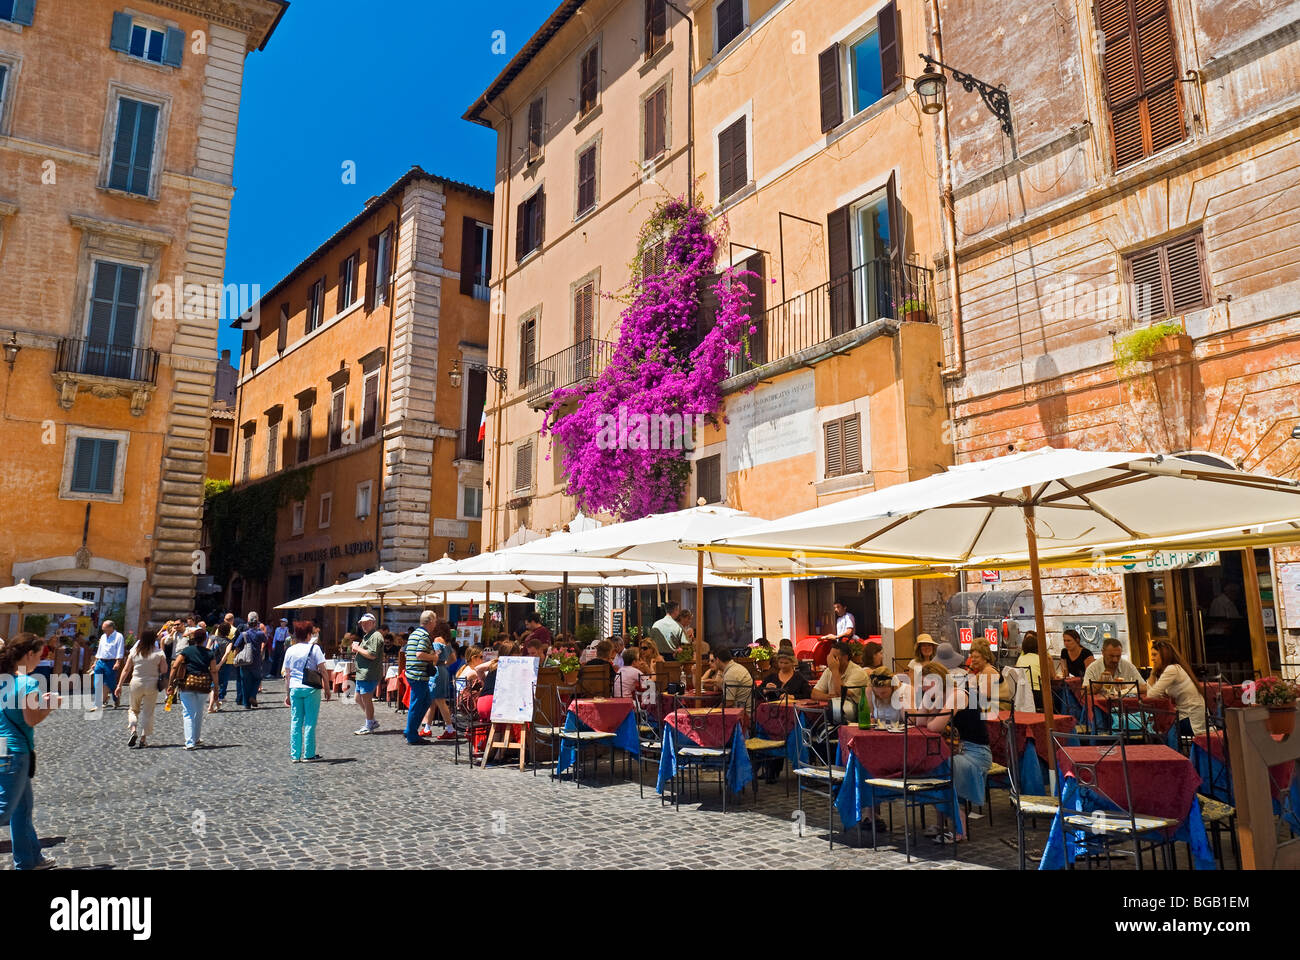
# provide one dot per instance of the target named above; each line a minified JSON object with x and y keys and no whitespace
{"x":482,"y":426}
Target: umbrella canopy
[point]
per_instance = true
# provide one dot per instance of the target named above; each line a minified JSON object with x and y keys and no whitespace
{"x":22,"y":598}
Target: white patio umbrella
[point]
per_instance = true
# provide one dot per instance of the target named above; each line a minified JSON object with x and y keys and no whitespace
{"x":1042,"y":506}
{"x":22,"y":598}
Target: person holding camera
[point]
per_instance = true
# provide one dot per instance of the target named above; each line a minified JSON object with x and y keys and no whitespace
{"x":24,"y":708}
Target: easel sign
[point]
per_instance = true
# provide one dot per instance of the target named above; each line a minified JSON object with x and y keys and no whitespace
{"x":512,"y":705}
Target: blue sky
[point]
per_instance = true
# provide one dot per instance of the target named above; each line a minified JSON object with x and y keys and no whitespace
{"x":385,"y":90}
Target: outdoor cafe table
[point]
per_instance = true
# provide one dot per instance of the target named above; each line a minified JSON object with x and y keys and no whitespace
{"x":601,"y":715}
{"x":1163,"y":784}
{"x":1211,"y":765}
{"x":877,"y":753}
{"x":1031,"y":745}
{"x":1165,"y":719}
{"x":779,"y":720}
{"x":710,"y":727}
{"x":1220,"y":695}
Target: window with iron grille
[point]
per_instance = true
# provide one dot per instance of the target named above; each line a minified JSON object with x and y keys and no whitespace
{"x":1169,"y":279}
{"x":1139,"y":61}
{"x":843,"y":437}
{"x":708,"y":479}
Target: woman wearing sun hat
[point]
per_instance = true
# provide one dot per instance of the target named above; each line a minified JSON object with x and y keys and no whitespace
{"x":926,"y":648}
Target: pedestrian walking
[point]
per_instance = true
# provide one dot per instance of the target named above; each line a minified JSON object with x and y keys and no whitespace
{"x":249,"y":649}
{"x":194,"y":678}
{"x":440,"y":682}
{"x":279,"y":643}
{"x":108,"y":662}
{"x":369,"y":652}
{"x":24,"y":708}
{"x":144,"y":676}
{"x":224,"y":643}
{"x":303,"y":683}
{"x":420,"y":659}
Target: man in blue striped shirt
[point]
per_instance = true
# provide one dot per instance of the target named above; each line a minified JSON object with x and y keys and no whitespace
{"x":419,"y":662}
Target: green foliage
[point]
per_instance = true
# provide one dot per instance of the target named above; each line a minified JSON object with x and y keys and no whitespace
{"x":1138,"y":345}
{"x":36,"y":623}
{"x":760,"y":654}
{"x":212,"y":488}
{"x":1275,"y":692}
{"x":569,"y":663}
{"x":585,"y":635}
{"x":242,"y":522}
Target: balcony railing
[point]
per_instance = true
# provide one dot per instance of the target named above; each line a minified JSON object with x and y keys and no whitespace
{"x":99,"y":359}
{"x":468,"y":445}
{"x":572,"y":365}
{"x":876,"y":290}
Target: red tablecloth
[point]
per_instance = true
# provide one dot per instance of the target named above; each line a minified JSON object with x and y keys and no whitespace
{"x":881,"y":751}
{"x":706,"y":726}
{"x":1027,"y":725}
{"x":602,"y":714}
{"x":776,"y":718}
{"x":1163,"y":781}
{"x":1229,"y":693}
{"x":1166,"y":714}
{"x":1279,"y":775}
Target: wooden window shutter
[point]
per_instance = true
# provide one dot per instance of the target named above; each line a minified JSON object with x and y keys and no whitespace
{"x":656,"y":26}
{"x":839,"y":242}
{"x":582,"y":312}
{"x":757,"y":309}
{"x":340,"y":292}
{"x":707,"y":313}
{"x":589,"y":80}
{"x":539,"y":216}
{"x":282,"y":334}
{"x":304,"y":435}
{"x":372,"y":264}
{"x":733,"y":164}
{"x":1188,"y":289}
{"x":524,"y":467}
{"x":119,"y":37}
{"x":851,"y":444}
{"x":891,"y":60}
{"x":336,"y":420}
{"x":527,"y":350}
{"x":1140,"y":69}
{"x":656,"y":124}
{"x":834,"y":449}
{"x":521,"y":231}
{"x":725,"y":164}
{"x":468,"y":255}
{"x":731,"y":21}
{"x":828,"y":79}
{"x":708,"y":479}
{"x":587,"y":180}
{"x":536,"y":123}
{"x":652,"y":260}
{"x":370,"y":407}
{"x":1148,"y":285}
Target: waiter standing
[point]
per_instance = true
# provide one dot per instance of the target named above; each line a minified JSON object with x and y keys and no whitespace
{"x":108,"y":661}
{"x":846,"y":627}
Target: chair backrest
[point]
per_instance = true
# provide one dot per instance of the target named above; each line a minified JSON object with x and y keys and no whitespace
{"x":930,"y":743}
{"x":646,"y":730}
{"x":739,"y":695}
{"x":666,"y":672}
{"x":1008,"y":724}
{"x":814,"y":736}
{"x":1086,"y":767}
{"x":1113,"y":693}
{"x":594,"y":680}
{"x":565,"y":694}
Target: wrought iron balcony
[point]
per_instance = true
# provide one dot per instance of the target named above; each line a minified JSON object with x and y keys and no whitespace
{"x":876,"y":290}
{"x":99,"y":359}
{"x":571,"y":366}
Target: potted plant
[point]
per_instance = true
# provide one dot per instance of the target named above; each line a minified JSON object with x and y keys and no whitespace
{"x":569,"y":667}
{"x":685,"y":653}
{"x":914,"y":311}
{"x":760,"y":655}
{"x":1278,"y":696}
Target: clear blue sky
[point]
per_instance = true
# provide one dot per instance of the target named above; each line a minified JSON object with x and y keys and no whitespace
{"x":385,"y":90}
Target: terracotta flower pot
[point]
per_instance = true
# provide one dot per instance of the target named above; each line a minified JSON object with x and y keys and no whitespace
{"x":917,"y":316}
{"x":571,"y":677}
{"x":1281,"y":721}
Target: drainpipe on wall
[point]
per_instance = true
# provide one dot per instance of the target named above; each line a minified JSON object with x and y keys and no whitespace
{"x":690,"y":99}
{"x":377,"y":503}
{"x":958,"y":367}
{"x":504,"y":248}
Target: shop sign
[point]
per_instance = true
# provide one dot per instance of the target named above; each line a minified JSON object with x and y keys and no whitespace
{"x":332,"y":552}
{"x":1171,"y":560}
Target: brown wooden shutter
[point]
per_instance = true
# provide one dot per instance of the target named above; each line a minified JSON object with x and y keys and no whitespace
{"x":587,"y":180}
{"x":708,"y":479}
{"x":583,"y":310}
{"x":891,"y":59}
{"x":539,"y":217}
{"x":372,"y":264}
{"x":733,"y":169}
{"x":341,"y":290}
{"x":336,"y":420}
{"x":527,"y":350}
{"x":834,"y":449}
{"x":370,"y":407}
{"x":757,"y":309}
{"x":1188,"y":289}
{"x":1148,"y":285}
{"x":282,"y":335}
{"x":707,"y":314}
{"x":828,"y":79}
{"x":656,"y":26}
{"x":521,"y":231}
{"x":468,"y":255}
{"x":524,"y":467}
{"x":839,"y":241}
{"x":588,"y":83}
{"x":851,"y":444}
{"x":731,"y":21}
{"x":898,"y":290}
{"x":1140,"y":69}
{"x":536,"y":124}
{"x":725,"y":164}
{"x":656,"y":124}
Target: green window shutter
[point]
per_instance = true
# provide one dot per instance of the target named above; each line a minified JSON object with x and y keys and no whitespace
{"x":174,"y":47}
{"x":120,"y":38}
{"x":83,"y":465}
{"x":105,"y":463}
{"x":24,"y":12}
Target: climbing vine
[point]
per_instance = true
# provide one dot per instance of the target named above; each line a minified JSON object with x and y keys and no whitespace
{"x":661,"y":371}
{"x":242,"y":522}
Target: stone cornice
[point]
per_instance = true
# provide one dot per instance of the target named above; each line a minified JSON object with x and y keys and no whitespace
{"x":121,"y":231}
{"x":257,"y":18}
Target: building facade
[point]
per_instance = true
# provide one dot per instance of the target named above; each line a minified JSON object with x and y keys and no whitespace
{"x":1127,"y":267}
{"x":117,"y":140}
{"x":361,"y":394}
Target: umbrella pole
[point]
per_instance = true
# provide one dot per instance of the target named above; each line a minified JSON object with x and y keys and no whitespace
{"x":699,"y":617}
{"x":1044,"y":657}
{"x":564,"y":604}
{"x":446,"y":607}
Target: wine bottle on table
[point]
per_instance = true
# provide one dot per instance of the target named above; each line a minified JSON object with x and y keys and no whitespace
{"x":864,"y":711}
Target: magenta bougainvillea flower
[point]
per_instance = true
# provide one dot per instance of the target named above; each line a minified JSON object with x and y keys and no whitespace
{"x":661,"y":368}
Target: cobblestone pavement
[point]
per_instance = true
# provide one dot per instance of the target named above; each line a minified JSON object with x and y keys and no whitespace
{"x":377,"y":802}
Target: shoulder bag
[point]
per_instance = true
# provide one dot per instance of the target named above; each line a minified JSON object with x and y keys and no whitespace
{"x":310,"y":675}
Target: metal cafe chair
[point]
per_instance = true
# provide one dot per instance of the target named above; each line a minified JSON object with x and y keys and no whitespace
{"x":547,"y":710}
{"x":1118,"y":695}
{"x":466,"y":724}
{"x":1100,"y":836}
{"x":652,"y":745}
{"x":1214,"y":797}
{"x":819,"y":776}
{"x":577,"y":736}
{"x":919,"y":791}
{"x":1029,"y":806}
{"x":691,"y":759}
{"x":763,"y":745}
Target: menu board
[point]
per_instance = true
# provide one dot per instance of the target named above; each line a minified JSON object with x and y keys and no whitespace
{"x":1288,"y":579}
{"x":617,"y":622}
{"x":512,"y":700}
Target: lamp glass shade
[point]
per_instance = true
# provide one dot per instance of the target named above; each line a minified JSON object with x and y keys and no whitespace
{"x":929,"y":87}
{"x":454,"y":376}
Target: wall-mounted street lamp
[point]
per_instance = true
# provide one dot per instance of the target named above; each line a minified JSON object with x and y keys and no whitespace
{"x":12,"y":346}
{"x":930,"y":85}
{"x":499,"y":374}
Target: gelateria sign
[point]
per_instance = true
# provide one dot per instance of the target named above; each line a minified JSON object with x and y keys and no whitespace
{"x":332,"y":552}
{"x":1170,"y":560}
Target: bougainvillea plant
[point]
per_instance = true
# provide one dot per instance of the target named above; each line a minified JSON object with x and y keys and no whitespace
{"x":660,"y":368}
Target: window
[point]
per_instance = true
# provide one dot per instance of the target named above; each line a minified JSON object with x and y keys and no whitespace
{"x":336,"y":418}
{"x":18,"y":11}
{"x":381,"y":250}
{"x":584,"y":313}
{"x":316,"y":305}
{"x":530,"y":224}
{"x":4,"y":76}
{"x":708,"y":479}
{"x":94,"y":466}
{"x":115,"y":298}
{"x":654,"y":130}
{"x":282,"y":334}
{"x":1170,"y":279}
{"x":870,"y":63}
{"x":272,"y":447}
{"x":363,"y":499}
{"x":472,"y":503}
{"x":527,"y":350}
{"x":370,"y":405}
{"x":246,"y":468}
{"x":865,"y":257}
{"x":656,"y":26}
{"x":347,"y":290}
{"x":589,"y":81}
{"x":652,"y":261}
{"x":165,"y":45}
{"x":536,"y":128}
{"x":299,"y":516}
{"x":587,"y":179}
{"x":729,"y":22}
{"x":133,"y":146}
{"x":254,"y":347}
{"x":1140,"y":70}
{"x":326,"y":509}
{"x":733,"y":160}
{"x":524,"y":467}
{"x":475,"y":258}
{"x":843,"y":446}
{"x":221,"y":440}
{"x":304,"y":435}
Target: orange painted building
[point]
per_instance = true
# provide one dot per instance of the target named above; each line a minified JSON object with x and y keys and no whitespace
{"x":117,"y":138}
{"x":365,"y":377}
